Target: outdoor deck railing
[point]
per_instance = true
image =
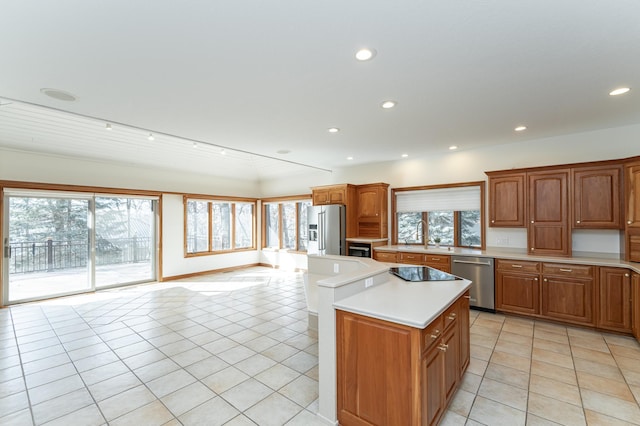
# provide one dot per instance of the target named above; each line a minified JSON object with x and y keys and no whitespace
{"x":51,"y":255}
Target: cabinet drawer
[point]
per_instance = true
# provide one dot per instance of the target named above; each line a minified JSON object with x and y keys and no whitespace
{"x":437,"y":259}
{"x":432,"y":333}
{"x":385,"y":256}
{"x":411,"y":258}
{"x":567,"y":270}
{"x":517,"y":265}
{"x":450,"y":316}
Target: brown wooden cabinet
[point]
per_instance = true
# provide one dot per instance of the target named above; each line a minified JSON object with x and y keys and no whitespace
{"x":391,"y":374}
{"x":517,"y":286}
{"x":597,"y":197}
{"x":632,"y":212}
{"x":549,"y":232}
{"x":372,"y":210}
{"x":333,"y":194}
{"x":507,"y":201}
{"x":385,"y":256}
{"x":615,"y":301}
{"x":567,"y":293}
{"x":635,"y":297}
{"x":441,"y":262}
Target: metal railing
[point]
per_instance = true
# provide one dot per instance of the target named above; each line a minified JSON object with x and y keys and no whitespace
{"x":51,"y":255}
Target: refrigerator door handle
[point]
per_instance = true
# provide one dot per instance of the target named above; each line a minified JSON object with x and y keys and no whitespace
{"x":321,"y":236}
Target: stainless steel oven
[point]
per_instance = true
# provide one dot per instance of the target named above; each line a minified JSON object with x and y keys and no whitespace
{"x":360,"y":249}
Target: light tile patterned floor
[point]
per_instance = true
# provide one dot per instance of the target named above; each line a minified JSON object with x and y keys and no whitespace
{"x":233,"y":348}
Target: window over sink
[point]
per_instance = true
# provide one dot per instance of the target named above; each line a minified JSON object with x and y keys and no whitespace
{"x":451,"y":215}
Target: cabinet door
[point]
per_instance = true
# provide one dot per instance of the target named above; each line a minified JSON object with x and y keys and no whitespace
{"x":548,"y":232}
{"x":463,"y":330}
{"x":596,"y":197}
{"x":632,"y":173}
{"x":450,"y":341}
{"x":614,"y":299}
{"x":374,"y":386}
{"x":368,"y":202}
{"x":385,"y":256}
{"x":320,"y":197}
{"x":635,"y":297}
{"x":519,"y":293}
{"x":567,"y":299}
{"x":507,"y":201}
{"x":432,"y":371}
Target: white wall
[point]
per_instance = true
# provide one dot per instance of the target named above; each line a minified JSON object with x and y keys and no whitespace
{"x":465,"y":166}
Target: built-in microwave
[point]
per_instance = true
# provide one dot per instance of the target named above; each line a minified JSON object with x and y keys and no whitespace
{"x":360,"y":249}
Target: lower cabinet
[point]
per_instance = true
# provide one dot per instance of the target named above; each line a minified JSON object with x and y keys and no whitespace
{"x":567,"y":293}
{"x":391,"y":374}
{"x":615,"y":301}
{"x":517,"y":287}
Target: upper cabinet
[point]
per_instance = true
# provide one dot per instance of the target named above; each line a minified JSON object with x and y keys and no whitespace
{"x":332,"y":194}
{"x":632,"y":212}
{"x":597,"y":197}
{"x":372,"y":210}
{"x":548,"y":232}
{"x":507,"y":200}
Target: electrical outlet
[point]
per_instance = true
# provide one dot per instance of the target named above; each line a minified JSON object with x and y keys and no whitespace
{"x":336,"y":268}
{"x":368,"y":282}
{"x":502,"y":241}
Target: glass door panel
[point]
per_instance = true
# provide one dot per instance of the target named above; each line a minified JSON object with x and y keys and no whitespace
{"x":125,"y":241}
{"x":46,"y":247}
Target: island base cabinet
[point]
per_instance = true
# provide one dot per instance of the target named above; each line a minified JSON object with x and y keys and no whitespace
{"x":392,"y":374}
{"x":635,"y":298}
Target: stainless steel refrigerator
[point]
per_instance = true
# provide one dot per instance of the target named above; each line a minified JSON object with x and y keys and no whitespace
{"x":327,"y":230}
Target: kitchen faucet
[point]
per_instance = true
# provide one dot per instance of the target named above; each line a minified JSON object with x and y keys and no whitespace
{"x":424,"y":232}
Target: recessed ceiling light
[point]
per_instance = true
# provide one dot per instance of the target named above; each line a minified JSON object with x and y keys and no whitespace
{"x":151,"y":137}
{"x":333,"y":130}
{"x":388,"y":104}
{"x":453,"y":147}
{"x":195,"y":144}
{"x":223,"y":152}
{"x":108,"y":126}
{"x":60,"y":95}
{"x":405,"y":155}
{"x":349,"y":158}
{"x":619,"y":91}
{"x":283,"y":151}
{"x":365,"y":54}
{"x":520,"y":128}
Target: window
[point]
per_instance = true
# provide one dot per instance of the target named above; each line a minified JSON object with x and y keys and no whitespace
{"x":218,"y":225}
{"x":285,"y":224}
{"x":451,"y":215}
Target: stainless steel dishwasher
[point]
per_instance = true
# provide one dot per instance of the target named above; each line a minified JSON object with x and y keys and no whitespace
{"x":480,"y":271}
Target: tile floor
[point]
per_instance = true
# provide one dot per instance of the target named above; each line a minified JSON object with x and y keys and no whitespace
{"x":233,"y":348}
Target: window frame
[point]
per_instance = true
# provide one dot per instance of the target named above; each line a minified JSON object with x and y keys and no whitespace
{"x":210,"y":200}
{"x":279,"y":201}
{"x":456,"y":214}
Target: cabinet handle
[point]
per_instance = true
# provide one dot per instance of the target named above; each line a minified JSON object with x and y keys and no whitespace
{"x":452,"y":316}
{"x":531,"y":221}
{"x":626,"y":275}
{"x":467,"y":297}
{"x":577,"y":221}
{"x":565,"y":270}
{"x":532,"y":248}
{"x":545,"y":280}
{"x":535,"y":279}
{"x":493,"y":221}
{"x":435,"y":258}
{"x":628,"y":222}
{"x":443,"y":347}
{"x":516,"y":266}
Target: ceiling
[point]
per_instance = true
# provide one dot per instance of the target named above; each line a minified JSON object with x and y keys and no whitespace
{"x":264,"y":80}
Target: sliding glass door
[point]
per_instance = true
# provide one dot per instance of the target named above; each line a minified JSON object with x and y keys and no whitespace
{"x":46,"y":245}
{"x":125,"y":241}
{"x":59,"y":243}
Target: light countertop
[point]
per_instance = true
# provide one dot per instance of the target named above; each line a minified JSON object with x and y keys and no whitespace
{"x":580,"y":258}
{"x":415,"y":304}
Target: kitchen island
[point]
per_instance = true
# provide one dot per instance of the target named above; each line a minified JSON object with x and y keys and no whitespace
{"x":389,"y":350}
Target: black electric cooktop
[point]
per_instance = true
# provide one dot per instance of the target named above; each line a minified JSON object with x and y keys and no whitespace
{"x":421,"y":273}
